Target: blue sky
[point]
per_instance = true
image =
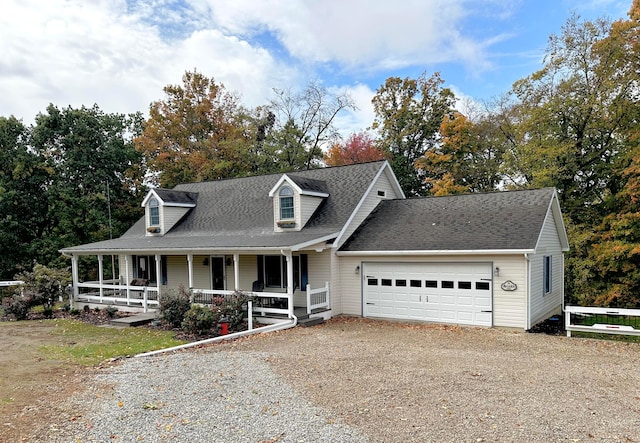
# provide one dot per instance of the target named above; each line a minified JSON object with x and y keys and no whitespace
{"x":119,"y":54}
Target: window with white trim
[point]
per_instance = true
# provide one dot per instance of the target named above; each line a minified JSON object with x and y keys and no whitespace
{"x":547,"y":274}
{"x":272,"y":271}
{"x":286,"y":203}
{"x":154,"y":212}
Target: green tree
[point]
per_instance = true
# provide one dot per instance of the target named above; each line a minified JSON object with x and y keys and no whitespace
{"x":408,"y":113}
{"x":24,"y":179}
{"x":95,"y":179}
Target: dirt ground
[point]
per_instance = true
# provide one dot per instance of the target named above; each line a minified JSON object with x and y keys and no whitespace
{"x":30,"y":384}
{"x":396,"y":382}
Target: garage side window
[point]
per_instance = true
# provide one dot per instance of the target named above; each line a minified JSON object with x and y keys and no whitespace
{"x":547,"y":277}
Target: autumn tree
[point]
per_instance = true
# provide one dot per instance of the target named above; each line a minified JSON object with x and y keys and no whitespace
{"x":196,"y":133}
{"x":605,"y":269}
{"x":304,"y":125}
{"x":576,"y":111}
{"x":358,"y":148}
{"x":467,"y":158}
{"x":408,"y":114}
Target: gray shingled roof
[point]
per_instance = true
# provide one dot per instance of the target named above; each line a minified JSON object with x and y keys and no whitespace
{"x":308,"y":184}
{"x":494,"y":221}
{"x":238,"y":213}
{"x":173,"y":196}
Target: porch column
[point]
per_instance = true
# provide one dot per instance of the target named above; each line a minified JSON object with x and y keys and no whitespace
{"x":290,"y":282}
{"x":74,"y":277}
{"x":236,"y":271}
{"x":100,"y":278}
{"x":159,"y":274}
{"x":190,"y":269}
{"x":126,"y":275}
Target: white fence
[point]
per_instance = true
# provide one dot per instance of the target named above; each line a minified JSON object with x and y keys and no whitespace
{"x":317,"y":298}
{"x":601,"y":320}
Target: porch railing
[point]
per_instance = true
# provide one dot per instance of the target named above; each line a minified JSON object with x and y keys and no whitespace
{"x":317,"y":298}
{"x":264,"y":303}
{"x":116,"y":293}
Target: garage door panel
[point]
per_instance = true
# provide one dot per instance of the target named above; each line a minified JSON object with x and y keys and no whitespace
{"x":442,"y":292}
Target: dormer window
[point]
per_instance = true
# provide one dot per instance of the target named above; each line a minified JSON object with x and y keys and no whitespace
{"x":286,"y":203}
{"x":154,"y":212}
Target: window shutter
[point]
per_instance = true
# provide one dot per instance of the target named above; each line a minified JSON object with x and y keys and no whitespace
{"x":163,"y":266}
{"x":261,"y":268}
{"x":304,"y":274}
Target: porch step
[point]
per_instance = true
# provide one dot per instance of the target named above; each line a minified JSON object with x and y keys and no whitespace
{"x":310,"y":321}
{"x":135,"y":320}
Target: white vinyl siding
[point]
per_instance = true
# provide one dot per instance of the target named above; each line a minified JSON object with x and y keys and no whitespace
{"x":248,"y":271}
{"x":543,"y":305}
{"x":308,"y":205}
{"x":510,"y":307}
{"x":369,"y":204}
{"x":170,"y":215}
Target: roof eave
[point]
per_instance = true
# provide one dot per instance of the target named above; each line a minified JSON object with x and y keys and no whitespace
{"x":438,"y":252}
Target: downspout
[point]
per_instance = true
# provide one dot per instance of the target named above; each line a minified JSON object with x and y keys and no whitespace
{"x":269,"y":328}
{"x":290,"y":284}
{"x":562,"y":282}
{"x":528,"y":289}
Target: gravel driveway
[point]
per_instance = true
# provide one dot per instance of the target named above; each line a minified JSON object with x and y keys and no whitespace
{"x":356,"y":380}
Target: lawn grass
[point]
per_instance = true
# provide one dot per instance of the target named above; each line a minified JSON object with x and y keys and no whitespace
{"x":85,"y":344}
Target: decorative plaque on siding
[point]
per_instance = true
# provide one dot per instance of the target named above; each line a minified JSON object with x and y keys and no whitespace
{"x":509,"y":286}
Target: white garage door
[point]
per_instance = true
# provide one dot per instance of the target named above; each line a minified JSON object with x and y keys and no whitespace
{"x":441,"y":292}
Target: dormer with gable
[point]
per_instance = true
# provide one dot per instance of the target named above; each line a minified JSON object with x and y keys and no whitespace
{"x":164,"y":208}
{"x":295,"y":200}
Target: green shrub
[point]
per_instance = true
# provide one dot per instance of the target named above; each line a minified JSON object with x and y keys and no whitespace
{"x":199,"y":320}
{"x":174,"y":305}
{"x":17,"y":307}
{"x":47,"y":312}
{"x":74,"y":312}
{"x":233,"y":308}
{"x":111,"y":311}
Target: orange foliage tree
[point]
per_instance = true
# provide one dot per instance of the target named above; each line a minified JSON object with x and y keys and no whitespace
{"x":359,"y":148}
{"x":196,"y":133}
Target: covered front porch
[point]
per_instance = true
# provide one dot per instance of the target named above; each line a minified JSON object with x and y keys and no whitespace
{"x":280,"y":283}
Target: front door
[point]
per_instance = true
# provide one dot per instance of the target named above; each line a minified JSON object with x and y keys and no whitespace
{"x":217,"y":273}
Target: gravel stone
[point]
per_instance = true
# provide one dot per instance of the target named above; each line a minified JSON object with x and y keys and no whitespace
{"x":358,"y":380}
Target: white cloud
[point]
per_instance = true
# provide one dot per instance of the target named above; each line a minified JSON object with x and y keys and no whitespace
{"x":361,"y":33}
{"x":79,"y":53}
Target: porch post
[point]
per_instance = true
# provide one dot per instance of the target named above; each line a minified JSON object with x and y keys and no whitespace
{"x":126,"y":276}
{"x":236,"y":271}
{"x":159,"y":274}
{"x":290,"y":282}
{"x":190,"y":269}
{"x":100,"y":278}
{"x":74,"y":276}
